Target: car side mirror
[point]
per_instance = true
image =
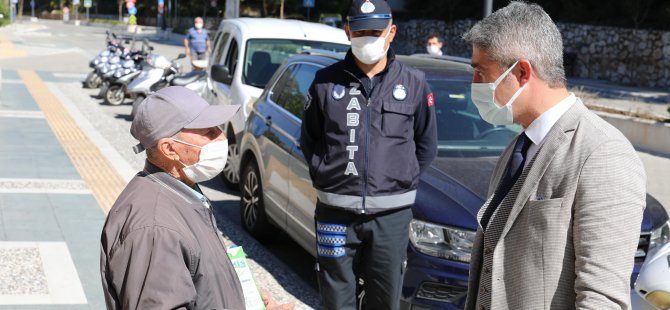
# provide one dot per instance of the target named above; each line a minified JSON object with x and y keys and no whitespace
{"x":180,"y":56}
{"x":220,"y":73}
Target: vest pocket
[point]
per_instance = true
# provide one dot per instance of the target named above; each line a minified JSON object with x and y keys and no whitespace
{"x":397,"y":119}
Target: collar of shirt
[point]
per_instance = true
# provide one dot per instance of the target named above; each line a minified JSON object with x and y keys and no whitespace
{"x":198,"y":194}
{"x":539,"y":128}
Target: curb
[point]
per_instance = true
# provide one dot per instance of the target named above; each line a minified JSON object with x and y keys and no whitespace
{"x":611,"y":93}
{"x":643,"y":134}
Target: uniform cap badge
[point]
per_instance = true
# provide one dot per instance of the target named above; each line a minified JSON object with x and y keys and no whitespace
{"x":399,"y":92}
{"x":367,"y":7}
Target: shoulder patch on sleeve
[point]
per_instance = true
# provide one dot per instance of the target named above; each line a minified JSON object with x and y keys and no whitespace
{"x":431,"y":100}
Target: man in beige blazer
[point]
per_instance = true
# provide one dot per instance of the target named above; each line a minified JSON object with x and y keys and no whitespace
{"x":561,"y":224}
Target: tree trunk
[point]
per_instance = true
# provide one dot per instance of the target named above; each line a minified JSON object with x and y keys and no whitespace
{"x":120,"y":10}
{"x":19,"y":13}
{"x":281,"y":10}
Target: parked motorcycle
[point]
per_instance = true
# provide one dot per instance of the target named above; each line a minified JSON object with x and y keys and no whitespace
{"x":159,"y":71}
{"x":120,"y":75}
{"x":194,"y":80}
{"x":94,"y":79}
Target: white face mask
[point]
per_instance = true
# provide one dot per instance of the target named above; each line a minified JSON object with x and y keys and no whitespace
{"x":212,"y":160}
{"x":483,"y":96}
{"x":198,"y":26}
{"x":369,"y":50}
{"x":433,"y":50}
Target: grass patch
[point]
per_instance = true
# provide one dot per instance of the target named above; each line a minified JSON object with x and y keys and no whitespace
{"x":4,"y":22}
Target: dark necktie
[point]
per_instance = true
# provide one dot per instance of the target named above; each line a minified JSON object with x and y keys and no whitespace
{"x":512,"y":173}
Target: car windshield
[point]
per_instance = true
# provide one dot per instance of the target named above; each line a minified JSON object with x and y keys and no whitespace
{"x":461,"y":132}
{"x":263,"y":56}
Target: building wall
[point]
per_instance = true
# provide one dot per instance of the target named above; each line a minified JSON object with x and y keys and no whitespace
{"x":627,"y":56}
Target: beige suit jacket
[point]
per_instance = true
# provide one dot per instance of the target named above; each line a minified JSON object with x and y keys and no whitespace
{"x":570,"y":239}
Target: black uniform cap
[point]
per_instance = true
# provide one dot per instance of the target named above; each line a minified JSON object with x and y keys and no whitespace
{"x":369,"y":15}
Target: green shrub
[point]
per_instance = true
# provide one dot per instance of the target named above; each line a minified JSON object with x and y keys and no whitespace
{"x":4,"y":10}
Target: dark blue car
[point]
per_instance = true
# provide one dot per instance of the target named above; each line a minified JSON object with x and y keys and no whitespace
{"x":277,"y":192}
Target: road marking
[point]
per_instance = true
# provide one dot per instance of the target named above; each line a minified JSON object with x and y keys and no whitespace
{"x":58,"y":268}
{"x":43,"y":186}
{"x":7,"y":48}
{"x":69,"y":75}
{"x":21,"y":114}
{"x":104,"y":182}
{"x":12,"y":81}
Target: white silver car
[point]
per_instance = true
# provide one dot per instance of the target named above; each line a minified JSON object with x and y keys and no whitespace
{"x":246,"y":53}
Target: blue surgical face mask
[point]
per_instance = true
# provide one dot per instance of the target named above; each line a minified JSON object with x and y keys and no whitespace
{"x":483,"y":96}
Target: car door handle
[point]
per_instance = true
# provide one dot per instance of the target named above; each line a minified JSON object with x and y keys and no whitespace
{"x":268,"y":120}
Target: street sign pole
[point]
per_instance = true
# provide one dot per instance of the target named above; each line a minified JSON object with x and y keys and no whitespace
{"x":308,"y":4}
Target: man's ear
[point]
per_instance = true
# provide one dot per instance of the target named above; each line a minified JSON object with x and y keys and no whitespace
{"x":165,"y":148}
{"x":525,"y":71}
{"x":392,"y":32}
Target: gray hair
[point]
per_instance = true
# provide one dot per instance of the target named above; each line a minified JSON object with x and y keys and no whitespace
{"x":522,"y":30}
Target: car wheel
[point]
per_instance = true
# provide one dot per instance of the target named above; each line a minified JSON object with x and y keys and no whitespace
{"x":136,"y":105}
{"x":231,"y":172}
{"x":252,"y":210}
{"x":114,"y":95}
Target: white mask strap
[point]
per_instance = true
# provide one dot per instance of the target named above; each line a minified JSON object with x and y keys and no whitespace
{"x":189,"y":144}
{"x":505,"y":74}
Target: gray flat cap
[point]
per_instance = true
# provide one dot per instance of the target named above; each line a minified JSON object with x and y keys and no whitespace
{"x":169,"y":110}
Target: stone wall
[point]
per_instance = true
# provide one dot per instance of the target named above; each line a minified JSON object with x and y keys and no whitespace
{"x":627,"y":56}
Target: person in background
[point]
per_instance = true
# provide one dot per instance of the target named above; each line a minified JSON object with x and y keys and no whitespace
{"x":561,"y":224}
{"x":197,"y":43}
{"x":434,"y":45}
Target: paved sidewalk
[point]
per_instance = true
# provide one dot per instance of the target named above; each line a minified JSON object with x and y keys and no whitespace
{"x":50,"y":221}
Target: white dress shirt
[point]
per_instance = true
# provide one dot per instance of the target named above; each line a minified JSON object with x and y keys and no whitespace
{"x":539,"y":128}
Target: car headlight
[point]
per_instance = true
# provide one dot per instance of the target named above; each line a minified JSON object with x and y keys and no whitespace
{"x":658,"y":238}
{"x":441,"y":241}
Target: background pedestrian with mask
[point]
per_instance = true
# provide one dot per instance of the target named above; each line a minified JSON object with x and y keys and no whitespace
{"x":561,"y":226}
{"x":368,"y":131}
{"x":434,"y":45}
{"x":196,"y":42}
{"x":160,"y":246}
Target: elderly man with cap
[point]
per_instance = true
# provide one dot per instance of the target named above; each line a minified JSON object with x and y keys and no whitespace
{"x":368,"y":131}
{"x":160,"y":246}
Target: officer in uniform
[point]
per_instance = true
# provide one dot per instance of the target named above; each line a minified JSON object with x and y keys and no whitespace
{"x":368,"y":132}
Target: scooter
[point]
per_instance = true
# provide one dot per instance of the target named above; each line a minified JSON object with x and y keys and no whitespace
{"x":653,"y":282}
{"x":194,"y":80}
{"x":93,"y":79}
{"x":157,"y":74}
{"x":115,"y":81}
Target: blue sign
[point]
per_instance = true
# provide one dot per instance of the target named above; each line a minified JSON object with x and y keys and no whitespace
{"x":161,"y":2}
{"x":15,"y":1}
{"x":132,"y":10}
{"x":308,"y":3}
{"x":32,"y":3}
{"x":87,"y":3}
